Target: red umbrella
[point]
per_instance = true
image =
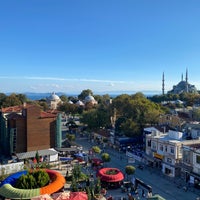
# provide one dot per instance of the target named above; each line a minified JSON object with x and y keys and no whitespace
{"x":110,"y":175}
{"x":97,"y":161}
{"x":78,"y":196}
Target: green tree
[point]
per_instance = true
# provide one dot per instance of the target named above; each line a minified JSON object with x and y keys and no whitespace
{"x":74,"y":187}
{"x":129,"y":169}
{"x":70,"y":137}
{"x":22,"y":98}
{"x":64,"y":98}
{"x":196,"y":114}
{"x":37,"y":156}
{"x":12,"y":100}
{"x":32,"y":180}
{"x":84,"y":94}
{"x":96,"y":149}
{"x":76,"y":172}
{"x":96,"y":118}
{"x":105,"y":157}
{"x":98,"y":186}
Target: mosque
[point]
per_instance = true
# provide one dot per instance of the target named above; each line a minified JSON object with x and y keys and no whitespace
{"x":182,"y":87}
{"x":54,"y":100}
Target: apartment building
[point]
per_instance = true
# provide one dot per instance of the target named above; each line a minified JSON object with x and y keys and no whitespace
{"x":165,"y":151}
{"x":27,"y":128}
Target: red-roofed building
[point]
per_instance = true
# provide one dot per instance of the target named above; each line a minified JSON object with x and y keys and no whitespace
{"x":28,"y":128}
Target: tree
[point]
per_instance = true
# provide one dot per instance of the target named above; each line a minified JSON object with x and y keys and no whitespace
{"x":84,"y":94}
{"x":70,"y":137}
{"x":76,"y":172}
{"x":22,"y":98}
{"x":196,"y":114}
{"x":64,"y":98}
{"x":12,"y":100}
{"x":96,"y":118}
{"x":74,"y":187}
{"x":96,"y":149}
{"x":37,"y":156}
{"x":134,"y":112}
{"x":105,"y":157}
{"x":33,"y":179}
{"x":98,"y":186}
{"x":129,"y":169}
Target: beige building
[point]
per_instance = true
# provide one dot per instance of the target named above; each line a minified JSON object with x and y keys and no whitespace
{"x":164,"y":151}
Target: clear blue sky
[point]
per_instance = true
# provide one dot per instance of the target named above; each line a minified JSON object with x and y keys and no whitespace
{"x":102,"y":45}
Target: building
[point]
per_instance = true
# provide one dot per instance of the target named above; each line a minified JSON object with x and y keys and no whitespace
{"x":28,"y":128}
{"x":164,"y":151}
{"x":53,"y":101}
{"x":90,"y":99}
{"x":183,"y":86}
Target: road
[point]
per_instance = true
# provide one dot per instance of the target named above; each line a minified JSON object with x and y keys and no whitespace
{"x":160,"y":184}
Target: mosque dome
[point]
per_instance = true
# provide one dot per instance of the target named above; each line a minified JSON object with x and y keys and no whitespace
{"x":79,"y":103}
{"x":70,"y":102}
{"x":54,"y":97}
{"x":89,"y":98}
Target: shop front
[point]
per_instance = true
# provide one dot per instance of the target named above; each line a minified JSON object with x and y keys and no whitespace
{"x":168,"y":169}
{"x":158,"y":160}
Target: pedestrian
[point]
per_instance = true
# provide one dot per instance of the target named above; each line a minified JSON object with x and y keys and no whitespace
{"x":143,"y":193}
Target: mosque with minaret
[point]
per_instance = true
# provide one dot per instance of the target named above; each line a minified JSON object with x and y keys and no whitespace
{"x":182,"y":87}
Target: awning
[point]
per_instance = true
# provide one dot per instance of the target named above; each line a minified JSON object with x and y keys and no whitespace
{"x":66,"y":158}
{"x":80,"y":155}
{"x":159,"y":156}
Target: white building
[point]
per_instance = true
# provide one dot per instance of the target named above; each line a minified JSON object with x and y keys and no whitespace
{"x":164,"y":150}
{"x":53,"y":100}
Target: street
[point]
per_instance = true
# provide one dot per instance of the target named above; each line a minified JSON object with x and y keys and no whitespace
{"x":160,"y":184}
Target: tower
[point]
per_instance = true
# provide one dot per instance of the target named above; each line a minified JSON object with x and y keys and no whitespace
{"x":163,"y":84}
{"x":186,"y":80}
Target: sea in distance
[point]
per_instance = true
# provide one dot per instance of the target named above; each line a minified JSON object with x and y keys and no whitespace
{"x":38,"y":96}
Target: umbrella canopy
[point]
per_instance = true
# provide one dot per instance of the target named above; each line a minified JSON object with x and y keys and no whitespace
{"x":80,"y":155}
{"x":97,"y":161}
{"x":110,"y":175}
{"x":66,"y":158}
{"x":42,"y":197}
{"x":78,"y":196}
{"x":61,"y":196}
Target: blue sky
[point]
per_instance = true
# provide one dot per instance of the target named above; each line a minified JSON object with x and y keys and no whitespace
{"x":102,"y":45}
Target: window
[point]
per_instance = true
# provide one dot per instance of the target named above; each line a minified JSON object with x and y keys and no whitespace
{"x":153,"y":145}
{"x":169,"y":160}
{"x":172,"y":150}
{"x":165,"y":148}
{"x":161,"y":147}
{"x":149,"y":143}
{"x":198,"y":159}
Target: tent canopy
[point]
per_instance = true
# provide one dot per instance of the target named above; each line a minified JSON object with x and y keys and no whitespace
{"x":78,"y":196}
{"x":110,"y":175}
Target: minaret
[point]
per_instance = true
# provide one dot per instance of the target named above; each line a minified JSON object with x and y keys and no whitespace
{"x":182,"y":77}
{"x":186,"y":80}
{"x":186,"y":76}
{"x":163,"y":84}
